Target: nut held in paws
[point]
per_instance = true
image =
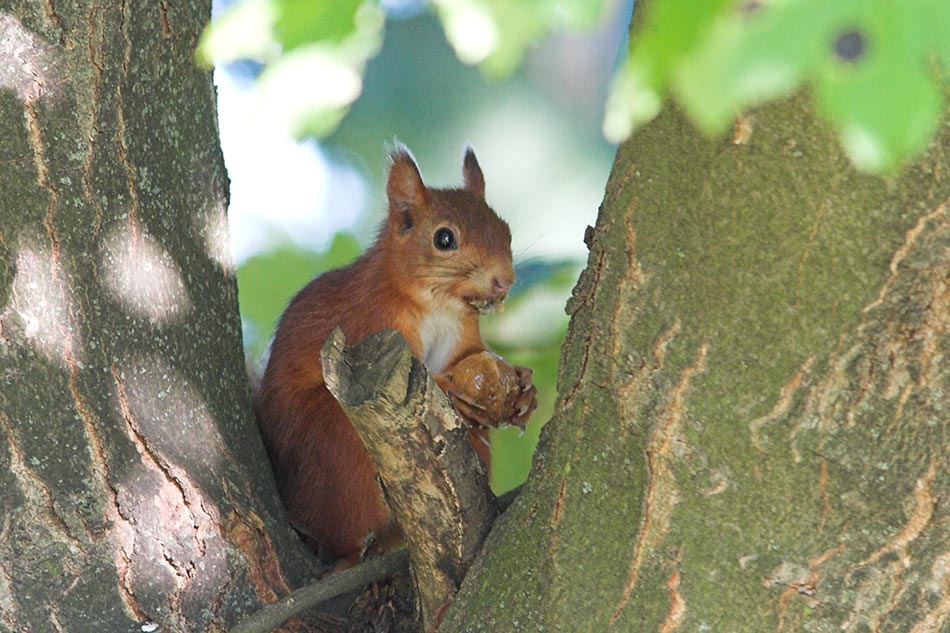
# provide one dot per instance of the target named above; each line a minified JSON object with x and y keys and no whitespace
{"x":489,"y":382}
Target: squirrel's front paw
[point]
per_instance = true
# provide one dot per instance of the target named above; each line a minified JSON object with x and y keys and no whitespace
{"x":526,"y":400}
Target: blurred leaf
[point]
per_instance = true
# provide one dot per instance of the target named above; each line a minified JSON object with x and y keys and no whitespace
{"x":670,"y":32}
{"x":737,"y":66}
{"x":305,"y":21}
{"x":242,"y":32}
{"x":886,"y":104}
{"x":268,"y":282}
{"x":317,"y":105}
{"x":869,"y":61}
{"x":315,"y":54}
{"x":497,"y":33}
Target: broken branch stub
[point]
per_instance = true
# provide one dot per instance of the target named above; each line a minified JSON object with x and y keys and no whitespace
{"x":434,"y":483}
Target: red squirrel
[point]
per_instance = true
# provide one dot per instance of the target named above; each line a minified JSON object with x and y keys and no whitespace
{"x":442,"y":258}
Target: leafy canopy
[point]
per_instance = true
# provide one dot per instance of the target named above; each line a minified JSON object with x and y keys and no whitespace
{"x":314,"y":53}
{"x":875,"y":67}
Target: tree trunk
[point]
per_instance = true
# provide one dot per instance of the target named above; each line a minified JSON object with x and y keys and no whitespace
{"x":751,"y":432}
{"x":133,"y":484}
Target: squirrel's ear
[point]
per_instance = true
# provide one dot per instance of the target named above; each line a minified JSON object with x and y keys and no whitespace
{"x":404,"y":187}
{"x":472,"y":173}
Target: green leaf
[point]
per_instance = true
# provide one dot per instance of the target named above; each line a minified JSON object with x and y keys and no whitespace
{"x":744,"y":60}
{"x":671,"y":30}
{"x":497,"y":33}
{"x":633,"y":99}
{"x":870,"y":63}
{"x":315,"y":54}
{"x":885,"y":104}
{"x":242,"y":32}
{"x":267,"y":282}
{"x":302,"y":22}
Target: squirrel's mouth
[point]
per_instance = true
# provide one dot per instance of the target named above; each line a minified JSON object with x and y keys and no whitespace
{"x":486,"y":305}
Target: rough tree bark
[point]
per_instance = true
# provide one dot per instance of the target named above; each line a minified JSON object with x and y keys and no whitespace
{"x":752,"y":426}
{"x":133,"y":484}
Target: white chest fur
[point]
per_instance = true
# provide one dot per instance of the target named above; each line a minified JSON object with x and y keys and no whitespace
{"x":440,"y":334}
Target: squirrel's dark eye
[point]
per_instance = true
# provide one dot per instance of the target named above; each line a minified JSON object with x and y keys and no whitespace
{"x":444,"y":240}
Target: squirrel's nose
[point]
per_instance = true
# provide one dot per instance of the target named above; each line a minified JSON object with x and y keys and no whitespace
{"x":501,"y":286}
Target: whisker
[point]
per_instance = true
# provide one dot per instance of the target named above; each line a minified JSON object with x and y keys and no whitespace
{"x":468,"y":258}
{"x":531,"y":260}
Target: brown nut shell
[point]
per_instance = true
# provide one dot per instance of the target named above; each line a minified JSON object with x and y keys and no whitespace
{"x":488,"y":382}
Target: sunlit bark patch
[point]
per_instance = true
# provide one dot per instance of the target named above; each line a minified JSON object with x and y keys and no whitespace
{"x":144,"y":277}
{"x":41,"y":305}
{"x":217,"y":238}
{"x":27,"y":65}
{"x":168,"y":416}
{"x":176,"y":542}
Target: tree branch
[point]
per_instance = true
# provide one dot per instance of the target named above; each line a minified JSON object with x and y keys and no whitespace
{"x":433,"y":481}
{"x":273,"y":615}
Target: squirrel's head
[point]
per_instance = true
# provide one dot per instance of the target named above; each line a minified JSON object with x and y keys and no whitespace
{"x":452,"y":244}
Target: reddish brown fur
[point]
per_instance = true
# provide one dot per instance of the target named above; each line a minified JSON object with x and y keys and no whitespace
{"x":325,"y":476}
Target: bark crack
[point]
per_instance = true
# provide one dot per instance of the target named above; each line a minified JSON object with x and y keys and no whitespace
{"x":8,"y":603}
{"x":55,"y":621}
{"x":166,"y":25}
{"x":782,"y":406}
{"x":56,"y":21}
{"x":823,"y":491}
{"x":123,"y":564}
{"x":910,"y":242}
{"x":924,"y":504}
{"x":120,"y":134}
{"x":248,"y":535}
{"x":555,"y":527}
{"x":920,"y":517}
{"x":661,"y":492}
{"x":93,"y":127}
{"x":629,"y":392}
{"x":189,"y":498}
{"x":677,"y":612}
{"x":662,"y":343}
{"x":36,"y":490}
{"x":42,"y":179}
{"x":122,"y":531}
{"x":97,"y":456}
{"x":808,"y":587}
{"x":575,"y":306}
{"x":936,"y":618}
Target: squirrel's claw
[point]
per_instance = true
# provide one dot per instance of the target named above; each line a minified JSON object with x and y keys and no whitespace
{"x":471,"y":412}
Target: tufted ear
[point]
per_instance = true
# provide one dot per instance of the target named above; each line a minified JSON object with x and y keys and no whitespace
{"x":404,"y":187}
{"x":472,"y":173}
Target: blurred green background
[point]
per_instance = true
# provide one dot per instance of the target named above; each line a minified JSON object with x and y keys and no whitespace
{"x":535,"y":127}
